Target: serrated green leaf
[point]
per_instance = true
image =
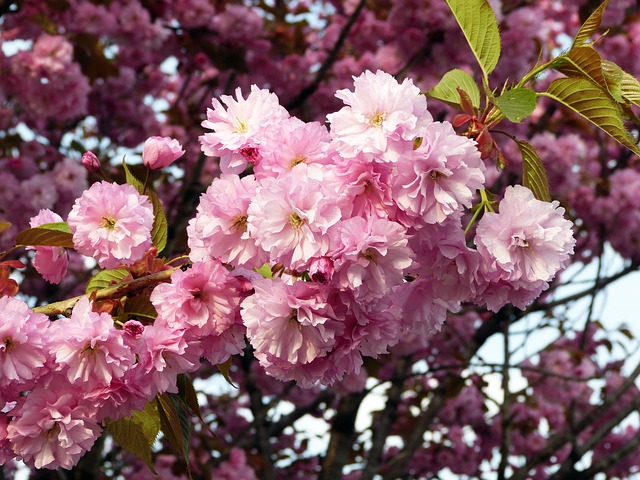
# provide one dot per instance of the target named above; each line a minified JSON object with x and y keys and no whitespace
{"x":589,"y":27}
{"x":137,"y":433}
{"x":517,"y":103}
{"x":447,"y":88}
{"x":225,"y":370}
{"x":106,"y":278}
{"x":534,"y":175}
{"x":264,"y":270}
{"x":4,"y":226}
{"x":175,"y":423}
{"x":480,"y":28}
{"x":140,"y":306}
{"x":56,"y":234}
{"x":594,"y":104}
{"x":625,"y":84}
{"x":160,"y":227}
{"x":582,"y":62}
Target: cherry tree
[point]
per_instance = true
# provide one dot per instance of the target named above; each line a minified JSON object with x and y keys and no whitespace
{"x":275,"y":239}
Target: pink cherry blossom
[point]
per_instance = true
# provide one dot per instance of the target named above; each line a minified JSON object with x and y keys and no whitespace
{"x":24,"y":347}
{"x":89,"y":348}
{"x":290,"y":216}
{"x":528,"y":240}
{"x":160,"y":152}
{"x":239,"y":126}
{"x":382,"y":116}
{"x":50,"y":262}
{"x":439,"y":178}
{"x":219,"y":229}
{"x":112,"y":223}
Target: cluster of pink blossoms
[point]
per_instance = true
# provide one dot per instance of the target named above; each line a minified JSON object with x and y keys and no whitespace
{"x":362,"y":227}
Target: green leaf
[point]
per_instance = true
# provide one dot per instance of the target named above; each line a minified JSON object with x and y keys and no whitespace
{"x":479,"y":25}
{"x":534,"y":175}
{"x":140,"y":306}
{"x":582,"y":62}
{"x":188,"y":393}
{"x":447,"y":88}
{"x":625,"y":84}
{"x":137,"y":433}
{"x":160,"y":225}
{"x":264,"y":270}
{"x":48,"y":235}
{"x":517,"y":103}
{"x":4,"y":226}
{"x":106,"y":278}
{"x":225,"y":370}
{"x":594,"y":104}
{"x":175,"y":423}
{"x":590,"y":25}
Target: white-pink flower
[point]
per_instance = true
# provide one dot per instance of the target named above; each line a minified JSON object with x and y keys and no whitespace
{"x":89,"y":349}
{"x":202,"y":300}
{"x":293,"y":323}
{"x":289,"y":217}
{"x":23,"y":345}
{"x":160,"y":152}
{"x":439,"y":178}
{"x":50,"y":262}
{"x":528,"y":240}
{"x":371,"y":255}
{"x":238,"y":128}
{"x":112,"y":223}
{"x":382,"y":116}
{"x":219,"y":229}
{"x":52,"y":428}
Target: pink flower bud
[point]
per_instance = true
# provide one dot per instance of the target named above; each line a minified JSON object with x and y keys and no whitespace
{"x":133,"y":328}
{"x":321,"y":269}
{"x":91,"y":162}
{"x":160,"y":152}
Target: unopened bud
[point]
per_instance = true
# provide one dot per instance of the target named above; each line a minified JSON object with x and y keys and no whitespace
{"x":321,"y":269}
{"x":133,"y":328}
{"x":160,"y":152}
{"x":91,"y":162}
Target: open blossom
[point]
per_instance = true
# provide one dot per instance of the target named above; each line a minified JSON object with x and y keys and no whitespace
{"x":382,"y":116}
{"x":290,"y":216}
{"x":50,"y":262}
{"x":370,"y":255}
{"x":24,"y":345}
{"x":89,"y":348}
{"x":293,"y":323}
{"x":112,"y":223}
{"x":439,"y":178}
{"x":202,"y":299}
{"x":219,"y":229}
{"x":528,"y":240}
{"x":237,"y":129}
{"x":52,"y":429}
{"x":160,"y":152}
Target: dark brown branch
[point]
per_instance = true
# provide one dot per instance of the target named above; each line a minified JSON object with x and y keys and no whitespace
{"x":381,"y":425}
{"x":608,"y":461}
{"x":559,"y":440}
{"x":505,"y":408}
{"x":307,"y":91}
{"x":342,"y":436}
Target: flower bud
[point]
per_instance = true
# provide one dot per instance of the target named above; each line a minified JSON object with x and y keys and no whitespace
{"x":91,"y":162}
{"x":160,"y":152}
{"x":134,"y":328}
{"x":321,"y":269}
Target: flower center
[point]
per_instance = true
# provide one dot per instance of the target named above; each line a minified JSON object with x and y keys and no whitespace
{"x":297,"y":160}
{"x":8,"y":344}
{"x":293,"y":319}
{"x":435,"y":175}
{"x":520,"y":242}
{"x":241,"y":127}
{"x":370,"y":254}
{"x":239,"y":224}
{"x":295,"y":221}
{"x":377,"y":119}
{"x":109,"y":223}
